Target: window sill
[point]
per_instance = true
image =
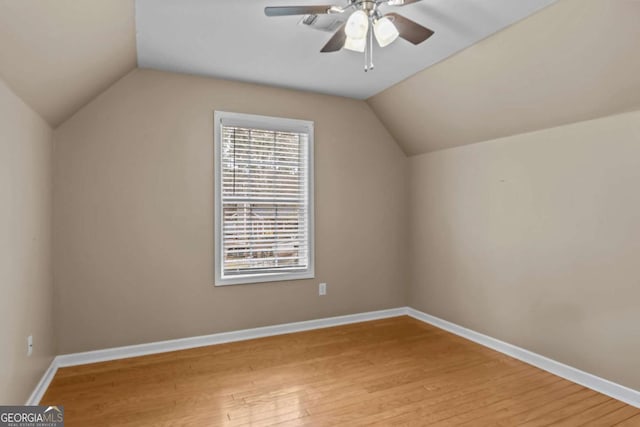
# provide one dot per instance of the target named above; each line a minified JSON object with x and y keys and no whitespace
{"x":248,"y":279}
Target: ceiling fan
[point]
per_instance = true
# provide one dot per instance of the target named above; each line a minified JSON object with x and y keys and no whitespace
{"x":364,"y":22}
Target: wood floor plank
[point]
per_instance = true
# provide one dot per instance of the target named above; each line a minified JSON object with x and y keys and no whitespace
{"x":629,"y":422}
{"x":458,"y":408}
{"x":568,"y":411}
{"x":525,"y":408}
{"x":595,"y":412}
{"x":613,"y":418}
{"x":513,"y":403}
{"x":391,"y":404}
{"x":396,"y":371}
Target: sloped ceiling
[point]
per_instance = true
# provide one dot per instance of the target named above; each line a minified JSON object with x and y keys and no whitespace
{"x":59,"y":54}
{"x":575,"y":60}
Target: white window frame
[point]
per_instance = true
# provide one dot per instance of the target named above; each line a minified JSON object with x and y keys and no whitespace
{"x":265,"y":123}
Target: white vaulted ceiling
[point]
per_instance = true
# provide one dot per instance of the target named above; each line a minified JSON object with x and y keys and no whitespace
{"x":235,"y":40}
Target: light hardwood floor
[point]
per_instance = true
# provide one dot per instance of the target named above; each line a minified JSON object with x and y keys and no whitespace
{"x":386,"y":372}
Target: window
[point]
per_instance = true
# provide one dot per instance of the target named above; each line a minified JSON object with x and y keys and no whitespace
{"x":263,"y":199}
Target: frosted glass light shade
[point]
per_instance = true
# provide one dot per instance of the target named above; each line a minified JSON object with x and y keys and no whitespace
{"x":385,"y":31}
{"x":357,"y":45}
{"x":357,"y":25}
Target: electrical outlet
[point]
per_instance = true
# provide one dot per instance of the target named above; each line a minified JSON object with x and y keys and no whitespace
{"x":29,"y":345}
{"x":322,"y":289}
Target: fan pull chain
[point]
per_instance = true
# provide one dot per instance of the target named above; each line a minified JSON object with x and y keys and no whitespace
{"x":366,"y":54}
{"x":368,"y":49}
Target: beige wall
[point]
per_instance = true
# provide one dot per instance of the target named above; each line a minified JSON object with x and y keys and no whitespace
{"x":25,"y":247}
{"x":133,"y":214}
{"x":535,"y":239}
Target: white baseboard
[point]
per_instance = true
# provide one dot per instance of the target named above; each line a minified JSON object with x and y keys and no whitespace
{"x":616,"y":391}
{"x":220,"y":338}
{"x":611,"y":389}
{"x":43,"y":384}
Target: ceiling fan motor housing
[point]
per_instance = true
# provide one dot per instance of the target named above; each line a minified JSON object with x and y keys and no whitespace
{"x":368,"y":6}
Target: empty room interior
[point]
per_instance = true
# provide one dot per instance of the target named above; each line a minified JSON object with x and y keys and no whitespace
{"x":283,"y":212}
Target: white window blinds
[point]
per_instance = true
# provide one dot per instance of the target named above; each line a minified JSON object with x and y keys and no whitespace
{"x":264,"y":206}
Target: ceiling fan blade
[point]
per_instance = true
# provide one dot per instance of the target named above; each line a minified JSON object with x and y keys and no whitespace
{"x":336,"y":42}
{"x":401,"y":2}
{"x":409,"y":30}
{"x":295,"y":10}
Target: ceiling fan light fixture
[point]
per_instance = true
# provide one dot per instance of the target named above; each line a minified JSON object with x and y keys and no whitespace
{"x":362,"y":25}
{"x":357,"y":25}
{"x":385,"y":32}
{"x":356,"y":45}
